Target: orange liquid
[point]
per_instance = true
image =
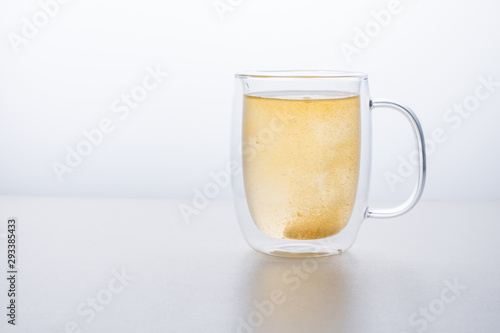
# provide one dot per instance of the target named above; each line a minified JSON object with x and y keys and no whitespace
{"x":301,"y":162}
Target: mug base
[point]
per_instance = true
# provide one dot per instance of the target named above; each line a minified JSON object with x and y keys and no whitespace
{"x":300,"y":250}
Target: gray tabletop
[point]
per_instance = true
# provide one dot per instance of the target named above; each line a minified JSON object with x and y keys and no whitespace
{"x":130,"y":265}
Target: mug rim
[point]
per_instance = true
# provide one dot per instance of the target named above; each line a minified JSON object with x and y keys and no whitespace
{"x":301,"y":74}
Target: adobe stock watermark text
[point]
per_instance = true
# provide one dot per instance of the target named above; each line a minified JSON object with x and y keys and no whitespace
{"x":94,"y":137}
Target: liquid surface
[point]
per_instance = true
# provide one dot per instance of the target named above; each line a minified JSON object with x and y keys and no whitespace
{"x":301,"y":162}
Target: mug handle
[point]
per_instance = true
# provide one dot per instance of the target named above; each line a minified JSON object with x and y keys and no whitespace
{"x":421,"y":170}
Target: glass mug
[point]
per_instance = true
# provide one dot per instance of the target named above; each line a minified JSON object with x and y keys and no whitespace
{"x":303,"y":140}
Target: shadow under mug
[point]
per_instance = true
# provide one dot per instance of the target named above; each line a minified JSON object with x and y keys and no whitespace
{"x":303,"y":141}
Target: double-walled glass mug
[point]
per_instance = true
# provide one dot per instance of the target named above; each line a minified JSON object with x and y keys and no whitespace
{"x":303,"y":141}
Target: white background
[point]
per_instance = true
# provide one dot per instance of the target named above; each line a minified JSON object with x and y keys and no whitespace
{"x":65,"y":78}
